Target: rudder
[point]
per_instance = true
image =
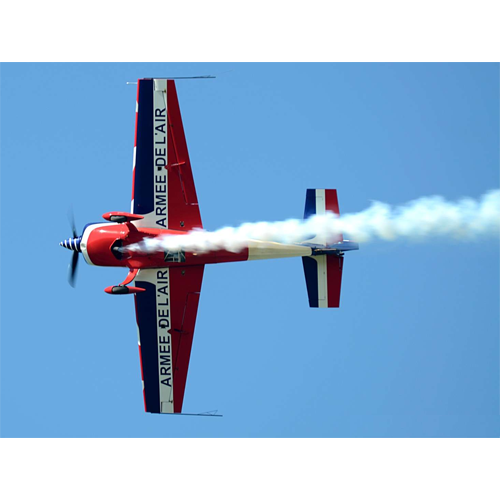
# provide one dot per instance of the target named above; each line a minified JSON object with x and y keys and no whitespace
{"x":318,"y":202}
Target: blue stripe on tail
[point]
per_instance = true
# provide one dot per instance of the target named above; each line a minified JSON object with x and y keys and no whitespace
{"x":311,"y":274}
{"x":310,"y":208}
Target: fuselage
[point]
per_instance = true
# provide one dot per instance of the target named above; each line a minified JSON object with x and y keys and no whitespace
{"x":106,"y":244}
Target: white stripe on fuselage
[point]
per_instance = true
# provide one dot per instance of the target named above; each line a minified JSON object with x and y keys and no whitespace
{"x":260,"y":250}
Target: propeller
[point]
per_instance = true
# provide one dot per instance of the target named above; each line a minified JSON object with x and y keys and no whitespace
{"x":72,"y":269}
{"x":74,"y":245}
{"x":71,"y":218}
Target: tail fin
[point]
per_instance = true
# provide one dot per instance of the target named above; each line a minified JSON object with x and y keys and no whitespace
{"x":323,"y":272}
{"x":318,"y":202}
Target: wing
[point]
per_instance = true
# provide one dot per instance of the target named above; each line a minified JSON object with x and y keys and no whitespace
{"x":166,"y":317}
{"x":163,"y":189}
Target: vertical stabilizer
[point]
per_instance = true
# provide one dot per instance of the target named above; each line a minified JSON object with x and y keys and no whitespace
{"x":318,"y":202}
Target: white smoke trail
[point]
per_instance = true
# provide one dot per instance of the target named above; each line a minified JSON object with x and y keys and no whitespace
{"x":426,"y":217}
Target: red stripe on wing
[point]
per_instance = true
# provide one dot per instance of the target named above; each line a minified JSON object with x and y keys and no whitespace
{"x":183,"y":210}
{"x":185,"y":287}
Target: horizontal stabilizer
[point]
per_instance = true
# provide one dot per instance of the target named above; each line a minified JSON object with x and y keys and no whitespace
{"x":323,"y":279}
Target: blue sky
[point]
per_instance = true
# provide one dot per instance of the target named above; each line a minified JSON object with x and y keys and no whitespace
{"x":413,"y":349}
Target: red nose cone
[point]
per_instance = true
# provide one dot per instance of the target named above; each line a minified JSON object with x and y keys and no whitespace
{"x":100,"y":241}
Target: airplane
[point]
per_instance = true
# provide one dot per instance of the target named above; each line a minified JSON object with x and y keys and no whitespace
{"x":166,"y":285}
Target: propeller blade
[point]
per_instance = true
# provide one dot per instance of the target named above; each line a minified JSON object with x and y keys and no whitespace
{"x":72,"y":269}
{"x":71,"y":219}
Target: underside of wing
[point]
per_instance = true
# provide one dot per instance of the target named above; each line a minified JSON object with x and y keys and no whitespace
{"x":166,"y":317}
{"x":163,"y":188}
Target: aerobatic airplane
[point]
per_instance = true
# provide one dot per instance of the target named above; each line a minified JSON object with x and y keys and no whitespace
{"x":166,"y":285}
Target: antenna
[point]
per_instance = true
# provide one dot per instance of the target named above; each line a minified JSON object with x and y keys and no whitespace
{"x":177,"y":78}
{"x":183,"y":77}
{"x":212,"y":413}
